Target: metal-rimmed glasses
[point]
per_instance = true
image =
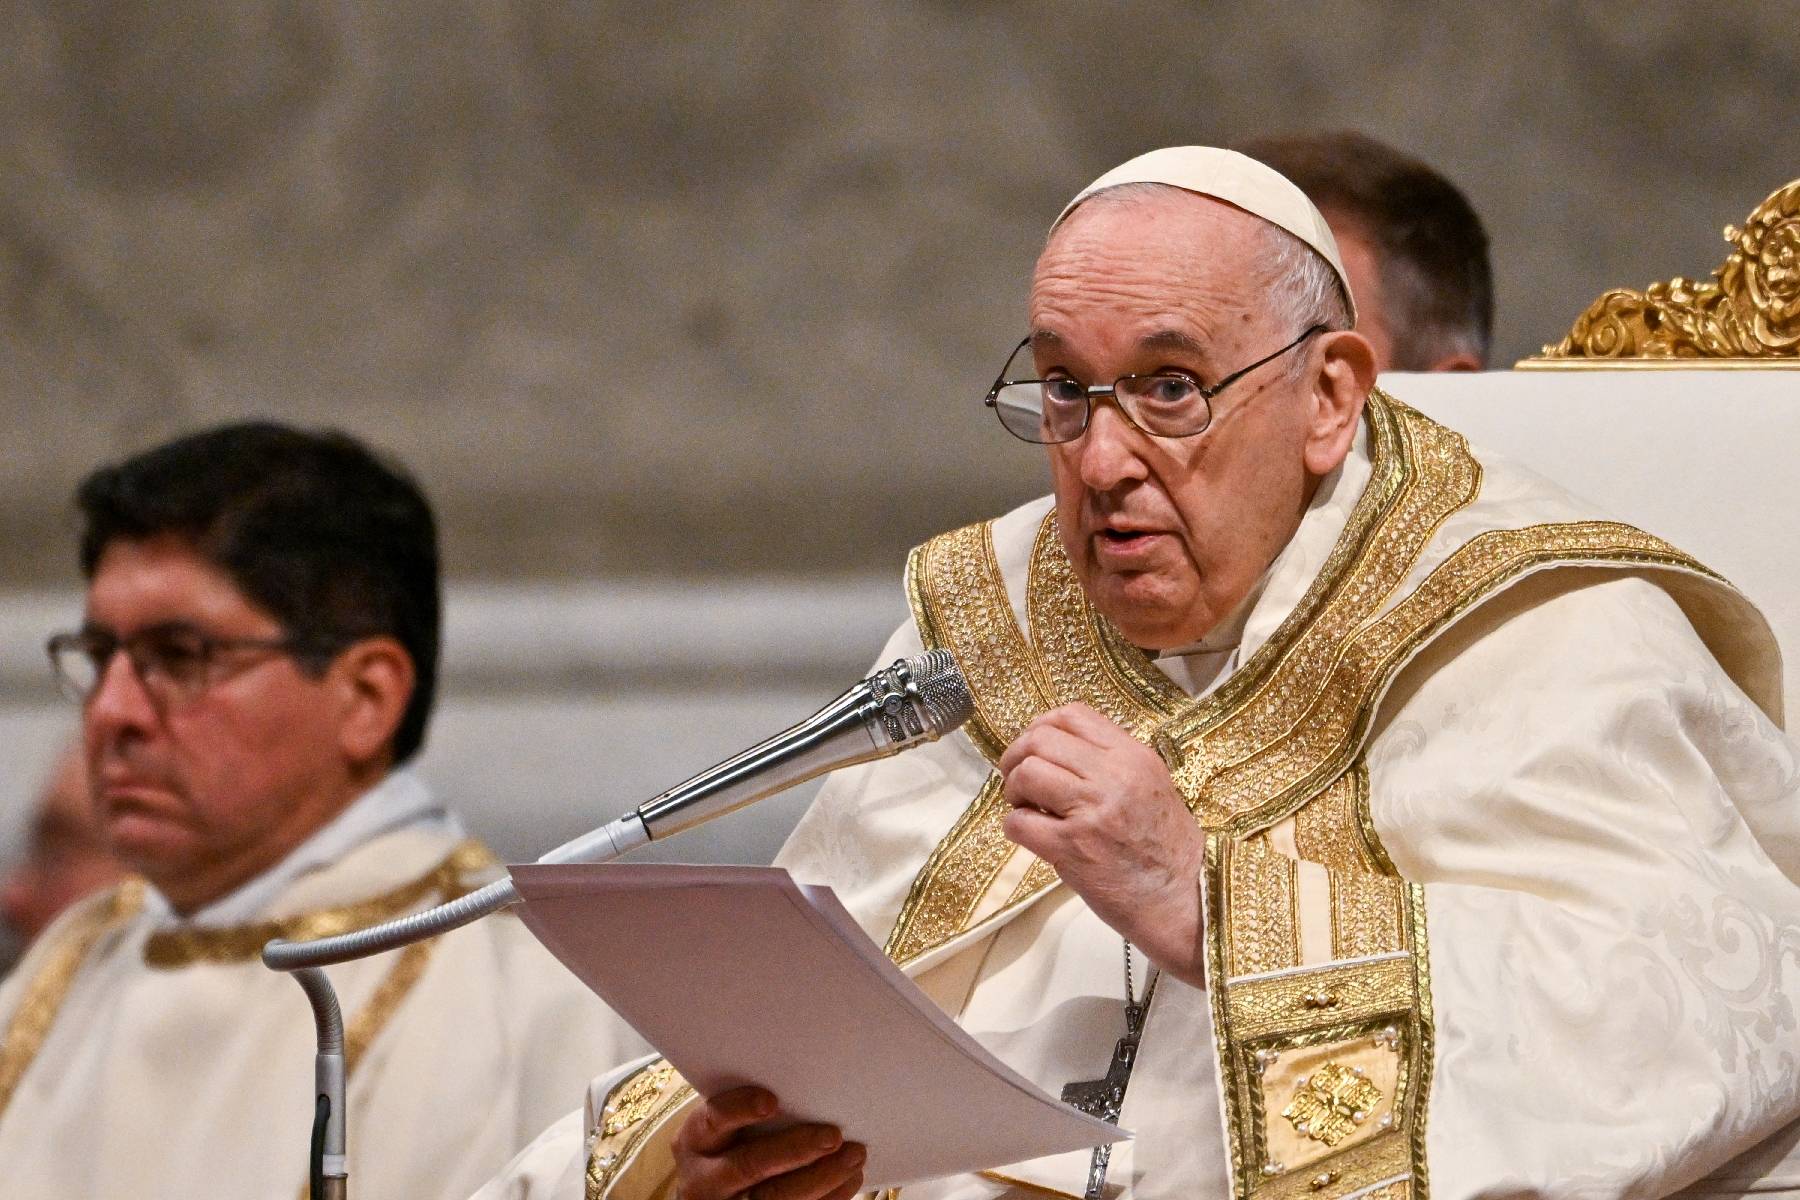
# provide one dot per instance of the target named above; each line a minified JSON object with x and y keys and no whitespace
{"x":174,"y":662}
{"x":1168,"y":404}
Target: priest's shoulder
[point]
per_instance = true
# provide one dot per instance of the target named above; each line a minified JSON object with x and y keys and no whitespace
{"x":72,"y":935}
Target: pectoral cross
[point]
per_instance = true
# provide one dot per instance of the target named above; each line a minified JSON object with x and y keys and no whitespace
{"x":1105,"y":1097}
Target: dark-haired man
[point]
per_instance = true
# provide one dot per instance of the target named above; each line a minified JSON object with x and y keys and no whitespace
{"x":1412,"y":245}
{"x":256,"y":660}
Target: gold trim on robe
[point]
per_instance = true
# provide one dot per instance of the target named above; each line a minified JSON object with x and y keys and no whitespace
{"x":175,"y":948}
{"x":637,"y":1124}
{"x":1324,"y":1067}
{"x":1421,"y":473}
{"x":1332,"y":990}
{"x":44,"y":996}
{"x":1316,"y":948}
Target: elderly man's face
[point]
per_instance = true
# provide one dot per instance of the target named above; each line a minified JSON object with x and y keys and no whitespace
{"x":1168,"y":535}
{"x":202,"y":792}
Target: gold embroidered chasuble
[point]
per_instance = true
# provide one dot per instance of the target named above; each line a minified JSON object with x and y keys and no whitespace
{"x":1322,"y":1010}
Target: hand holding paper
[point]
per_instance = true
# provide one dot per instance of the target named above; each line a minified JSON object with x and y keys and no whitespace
{"x":718,"y":1155}
{"x":740,"y":976}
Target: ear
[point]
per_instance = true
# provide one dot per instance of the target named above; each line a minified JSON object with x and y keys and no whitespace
{"x":373,"y":680}
{"x":1346,"y":374}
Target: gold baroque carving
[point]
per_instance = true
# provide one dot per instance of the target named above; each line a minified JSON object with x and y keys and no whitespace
{"x":1750,"y":309}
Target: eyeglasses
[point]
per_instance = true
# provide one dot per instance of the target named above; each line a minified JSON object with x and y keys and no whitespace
{"x":175,"y":663}
{"x":1169,"y":404}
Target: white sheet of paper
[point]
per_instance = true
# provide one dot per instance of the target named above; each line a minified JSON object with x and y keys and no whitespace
{"x":740,"y":975}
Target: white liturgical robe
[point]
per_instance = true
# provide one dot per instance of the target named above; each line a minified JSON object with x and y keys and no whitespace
{"x":147,"y":1056}
{"x":1526,"y":923}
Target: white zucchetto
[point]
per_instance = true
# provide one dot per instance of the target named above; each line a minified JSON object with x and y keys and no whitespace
{"x":1238,"y":180}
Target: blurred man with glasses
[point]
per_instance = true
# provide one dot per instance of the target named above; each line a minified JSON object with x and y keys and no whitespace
{"x":255,"y":666}
{"x":1345,"y":812}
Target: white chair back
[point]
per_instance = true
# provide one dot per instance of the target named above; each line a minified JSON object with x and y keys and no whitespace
{"x":1705,"y":458}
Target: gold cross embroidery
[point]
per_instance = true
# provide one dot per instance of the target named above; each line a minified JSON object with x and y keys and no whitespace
{"x":1331,"y":1103}
{"x":636,"y":1099}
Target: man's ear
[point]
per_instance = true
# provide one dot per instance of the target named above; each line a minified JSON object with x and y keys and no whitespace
{"x":1346,"y":374}
{"x":373,"y":681}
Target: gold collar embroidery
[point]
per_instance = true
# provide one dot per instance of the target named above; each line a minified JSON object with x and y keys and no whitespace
{"x":176,"y":948}
{"x":1286,"y":724}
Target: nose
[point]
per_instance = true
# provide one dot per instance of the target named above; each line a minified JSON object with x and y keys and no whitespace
{"x":1109,"y":452}
{"x":119,"y":701}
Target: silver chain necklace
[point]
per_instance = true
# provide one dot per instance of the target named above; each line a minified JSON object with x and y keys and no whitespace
{"x":1105,"y":1097}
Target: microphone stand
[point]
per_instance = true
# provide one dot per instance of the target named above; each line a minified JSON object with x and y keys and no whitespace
{"x":328,"y":1168}
{"x":914,"y":700}
{"x":328,"y":1176}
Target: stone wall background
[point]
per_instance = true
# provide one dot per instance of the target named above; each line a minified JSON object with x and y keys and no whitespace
{"x":696,"y":288}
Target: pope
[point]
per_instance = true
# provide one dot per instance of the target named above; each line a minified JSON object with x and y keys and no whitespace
{"x":1417,"y":830}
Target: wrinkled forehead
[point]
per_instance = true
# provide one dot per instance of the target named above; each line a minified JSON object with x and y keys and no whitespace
{"x":1156,"y":218}
{"x":1141,"y":253}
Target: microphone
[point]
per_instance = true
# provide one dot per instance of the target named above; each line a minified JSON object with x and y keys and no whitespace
{"x":915,"y":700}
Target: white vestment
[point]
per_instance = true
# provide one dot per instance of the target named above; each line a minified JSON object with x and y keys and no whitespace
{"x":147,"y":1056}
{"x":1598,"y":832}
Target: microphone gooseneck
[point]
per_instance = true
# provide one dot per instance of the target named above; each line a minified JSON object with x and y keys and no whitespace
{"x":327,"y":1172}
{"x":915,"y":700}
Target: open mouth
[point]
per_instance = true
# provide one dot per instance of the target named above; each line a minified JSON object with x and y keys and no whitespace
{"x":1125,"y":537}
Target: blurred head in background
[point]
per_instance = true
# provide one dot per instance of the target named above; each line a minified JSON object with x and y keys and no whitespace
{"x":1414,"y":248}
{"x":259,"y":646}
{"x":65,"y":856}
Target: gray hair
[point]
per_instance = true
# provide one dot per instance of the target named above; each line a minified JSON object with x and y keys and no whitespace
{"x":1303,"y":289}
{"x":1300,"y":288}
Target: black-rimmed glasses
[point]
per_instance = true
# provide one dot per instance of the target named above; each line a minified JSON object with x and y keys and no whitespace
{"x":174,"y":662}
{"x":1169,"y":404}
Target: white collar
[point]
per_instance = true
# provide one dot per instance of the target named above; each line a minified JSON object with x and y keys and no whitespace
{"x":401,"y":800}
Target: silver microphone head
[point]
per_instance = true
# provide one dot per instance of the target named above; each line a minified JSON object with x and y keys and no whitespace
{"x":917,"y":699}
{"x":943,"y":691}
